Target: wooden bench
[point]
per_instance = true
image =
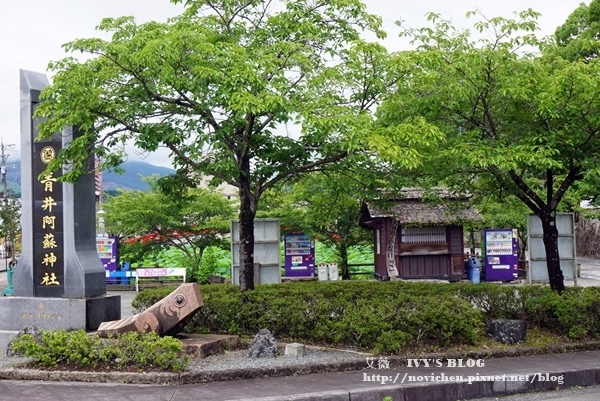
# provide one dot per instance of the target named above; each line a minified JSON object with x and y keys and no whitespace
{"x":158,"y":275}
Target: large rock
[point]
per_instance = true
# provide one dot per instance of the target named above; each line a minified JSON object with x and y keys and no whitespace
{"x":263,"y":345}
{"x":507,"y":331}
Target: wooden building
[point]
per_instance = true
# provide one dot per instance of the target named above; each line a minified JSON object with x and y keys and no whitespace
{"x":423,"y":238}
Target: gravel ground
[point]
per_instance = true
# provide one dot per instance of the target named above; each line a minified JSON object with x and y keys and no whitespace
{"x":233,"y":360}
{"x":12,"y":362}
{"x":237,"y":360}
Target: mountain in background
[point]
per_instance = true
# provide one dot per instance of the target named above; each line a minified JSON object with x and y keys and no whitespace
{"x":130,"y":179}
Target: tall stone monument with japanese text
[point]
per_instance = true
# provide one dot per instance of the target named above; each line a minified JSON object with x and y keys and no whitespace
{"x":59,"y":281}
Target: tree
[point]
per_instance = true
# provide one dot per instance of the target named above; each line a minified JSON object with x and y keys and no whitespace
{"x":516,"y":120}
{"x":10,"y":216}
{"x":332,"y":211}
{"x":326,"y":205}
{"x":155,"y":221}
{"x":579,"y":37}
{"x":217,"y":86}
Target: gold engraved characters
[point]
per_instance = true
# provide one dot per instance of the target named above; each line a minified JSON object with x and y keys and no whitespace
{"x":49,"y":279}
{"x":49,"y":241}
{"x":48,"y":182}
{"x":48,"y":203}
{"x":49,"y":259}
{"x":48,"y":223}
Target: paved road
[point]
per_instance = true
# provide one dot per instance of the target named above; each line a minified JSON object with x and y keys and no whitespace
{"x":578,"y":394}
{"x":590,"y":268}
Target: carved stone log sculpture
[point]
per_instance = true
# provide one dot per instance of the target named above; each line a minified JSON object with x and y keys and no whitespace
{"x":166,"y":317}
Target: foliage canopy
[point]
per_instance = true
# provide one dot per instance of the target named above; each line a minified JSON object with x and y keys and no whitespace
{"x":153,"y":221}
{"x":519,"y":119}
{"x":247,"y":92}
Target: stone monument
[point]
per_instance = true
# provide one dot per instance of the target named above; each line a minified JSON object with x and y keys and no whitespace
{"x":59,"y":281}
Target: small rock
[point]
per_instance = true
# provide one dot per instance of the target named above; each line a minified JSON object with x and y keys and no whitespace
{"x":33,"y":330}
{"x":507,"y":331}
{"x":295,"y":349}
{"x":263,"y":345}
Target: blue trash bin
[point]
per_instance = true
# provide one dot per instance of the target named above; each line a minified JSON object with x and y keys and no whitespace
{"x":474,"y":269}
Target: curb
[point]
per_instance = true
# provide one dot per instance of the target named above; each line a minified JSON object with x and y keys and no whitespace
{"x":483,"y":386}
{"x":449,"y":391}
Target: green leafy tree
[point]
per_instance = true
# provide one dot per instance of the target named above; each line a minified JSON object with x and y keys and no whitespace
{"x":332,"y":212}
{"x":248,"y":92}
{"x":154,"y":221}
{"x":10,"y":216}
{"x":516,"y":120}
{"x":280,"y":203}
{"x":325,"y":205}
{"x":579,"y":37}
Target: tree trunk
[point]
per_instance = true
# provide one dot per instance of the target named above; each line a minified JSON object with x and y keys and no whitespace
{"x":247,"y":213}
{"x":472,"y":242}
{"x":550,"y":238}
{"x":344,"y":260}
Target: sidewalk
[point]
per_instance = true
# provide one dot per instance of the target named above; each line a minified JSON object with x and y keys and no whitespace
{"x":496,"y":377}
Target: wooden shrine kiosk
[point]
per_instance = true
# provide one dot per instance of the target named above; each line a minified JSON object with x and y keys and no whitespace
{"x":424,"y":237}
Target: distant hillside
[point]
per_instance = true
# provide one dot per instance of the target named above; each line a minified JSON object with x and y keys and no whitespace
{"x":131,"y":179}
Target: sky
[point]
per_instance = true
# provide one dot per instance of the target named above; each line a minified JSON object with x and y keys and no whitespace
{"x":33,"y":31}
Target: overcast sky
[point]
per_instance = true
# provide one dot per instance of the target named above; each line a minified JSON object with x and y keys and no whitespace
{"x":33,"y":31}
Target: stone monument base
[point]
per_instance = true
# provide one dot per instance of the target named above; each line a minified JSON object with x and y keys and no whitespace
{"x":5,"y":338}
{"x":58,"y":313}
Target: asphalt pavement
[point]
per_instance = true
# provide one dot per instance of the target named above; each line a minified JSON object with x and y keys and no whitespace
{"x":576,"y":393}
{"x":434,"y":379}
{"x":492,"y":378}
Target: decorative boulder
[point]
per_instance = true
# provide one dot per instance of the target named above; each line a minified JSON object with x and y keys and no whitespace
{"x":33,"y":330}
{"x":263,"y":345}
{"x":507,"y":331}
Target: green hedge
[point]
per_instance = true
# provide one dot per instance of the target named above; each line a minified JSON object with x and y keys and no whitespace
{"x":388,"y":316}
{"x":385,"y":317}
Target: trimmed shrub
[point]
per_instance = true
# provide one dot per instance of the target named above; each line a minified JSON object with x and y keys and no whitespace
{"x":125,"y":351}
{"x":146,"y":298}
{"x":385,"y":317}
{"x":388,"y":316}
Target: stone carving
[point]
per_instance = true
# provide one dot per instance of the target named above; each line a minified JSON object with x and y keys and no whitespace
{"x":507,"y":331}
{"x":263,"y":345}
{"x":166,"y":317}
